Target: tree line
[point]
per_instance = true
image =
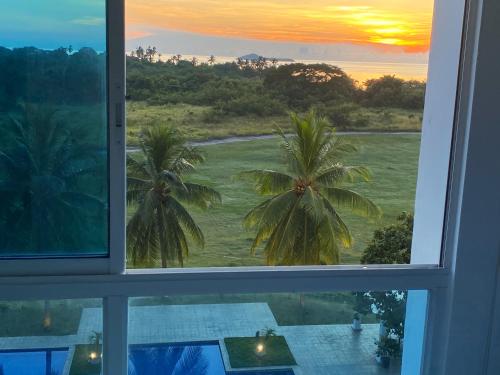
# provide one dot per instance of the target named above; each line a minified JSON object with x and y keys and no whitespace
{"x":260,"y":86}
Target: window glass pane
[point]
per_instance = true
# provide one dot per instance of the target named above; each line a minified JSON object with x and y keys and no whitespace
{"x":53,"y":121}
{"x":51,"y":337}
{"x":320,"y":333}
{"x":273,"y":133}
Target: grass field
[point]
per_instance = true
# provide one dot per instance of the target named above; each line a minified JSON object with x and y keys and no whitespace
{"x":192,"y":121}
{"x":241,"y":351}
{"x":391,"y":158}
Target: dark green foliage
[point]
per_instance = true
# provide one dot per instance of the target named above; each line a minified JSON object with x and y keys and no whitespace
{"x":53,"y":189}
{"x":389,"y":91}
{"x":260,"y":88}
{"x":56,"y":77}
{"x":392,"y":244}
{"x":388,"y":347}
{"x":301,"y":86}
{"x":340,"y":114}
{"x":241,"y":352}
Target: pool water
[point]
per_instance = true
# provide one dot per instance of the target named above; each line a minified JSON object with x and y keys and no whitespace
{"x":196,"y":358}
{"x":33,"y":362}
{"x":176,"y":359}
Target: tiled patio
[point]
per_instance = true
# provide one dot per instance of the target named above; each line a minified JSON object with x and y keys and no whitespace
{"x":318,"y":349}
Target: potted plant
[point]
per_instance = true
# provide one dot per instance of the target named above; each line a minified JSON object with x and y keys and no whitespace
{"x":387,"y":348}
{"x":356,"y":322}
{"x":268,"y":332}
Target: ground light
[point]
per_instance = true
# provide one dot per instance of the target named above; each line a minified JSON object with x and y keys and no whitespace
{"x":260,"y":350}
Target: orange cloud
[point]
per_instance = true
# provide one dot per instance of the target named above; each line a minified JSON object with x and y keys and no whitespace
{"x":402,"y":23}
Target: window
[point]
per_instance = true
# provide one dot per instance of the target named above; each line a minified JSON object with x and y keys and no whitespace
{"x":309,"y":333}
{"x":231,"y":93}
{"x":110,"y":316}
{"x":53,"y":119}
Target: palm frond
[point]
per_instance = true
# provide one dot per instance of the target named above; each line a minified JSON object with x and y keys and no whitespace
{"x":186,"y":160}
{"x":312,"y":204}
{"x":174,"y":211}
{"x":268,"y":181}
{"x":268,"y":215}
{"x":339,"y":173}
{"x":281,"y":245}
{"x":339,"y":231}
{"x":199,"y":195}
{"x":352,"y":200}
{"x":137,"y":168}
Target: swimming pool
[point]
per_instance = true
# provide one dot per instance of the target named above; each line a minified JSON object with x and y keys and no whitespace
{"x":194,"y":358}
{"x":33,"y":362}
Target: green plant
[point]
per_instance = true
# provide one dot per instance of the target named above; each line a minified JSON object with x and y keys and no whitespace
{"x":300,"y":223}
{"x":268,"y":332}
{"x":391,"y":244}
{"x":388,"y":347}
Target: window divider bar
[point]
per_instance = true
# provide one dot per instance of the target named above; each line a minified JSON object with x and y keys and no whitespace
{"x":115,"y":336}
{"x":186,"y":281}
{"x":117,"y":134}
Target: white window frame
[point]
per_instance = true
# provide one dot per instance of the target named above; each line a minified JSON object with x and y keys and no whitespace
{"x":439,"y":214}
{"x":114,"y":262}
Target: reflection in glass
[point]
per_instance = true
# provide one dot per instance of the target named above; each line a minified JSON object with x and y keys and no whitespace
{"x":313,"y":333}
{"x":51,"y":337}
{"x":176,"y":359}
{"x":53,"y":121}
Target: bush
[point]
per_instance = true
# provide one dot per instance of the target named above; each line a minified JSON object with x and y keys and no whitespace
{"x":252,"y":105}
{"x":341,"y":115}
{"x":390,"y":91}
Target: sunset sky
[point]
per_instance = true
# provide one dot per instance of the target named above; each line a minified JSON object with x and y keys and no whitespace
{"x":405,"y":24}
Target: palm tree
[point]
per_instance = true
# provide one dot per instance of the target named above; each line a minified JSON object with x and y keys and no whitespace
{"x":211,"y":60}
{"x":158,"y":229}
{"x":48,"y":176}
{"x":300,"y":222}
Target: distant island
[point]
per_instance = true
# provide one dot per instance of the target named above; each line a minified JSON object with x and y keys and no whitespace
{"x":255,"y":57}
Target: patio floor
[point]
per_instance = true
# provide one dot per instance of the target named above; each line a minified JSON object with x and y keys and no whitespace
{"x":318,"y":349}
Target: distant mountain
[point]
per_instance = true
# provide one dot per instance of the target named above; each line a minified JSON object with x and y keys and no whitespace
{"x":255,"y":57}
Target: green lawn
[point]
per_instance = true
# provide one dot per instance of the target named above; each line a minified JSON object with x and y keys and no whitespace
{"x":26,"y":318}
{"x":241,"y":352}
{"x":391,"y":158}
{"x":191,"y":120}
